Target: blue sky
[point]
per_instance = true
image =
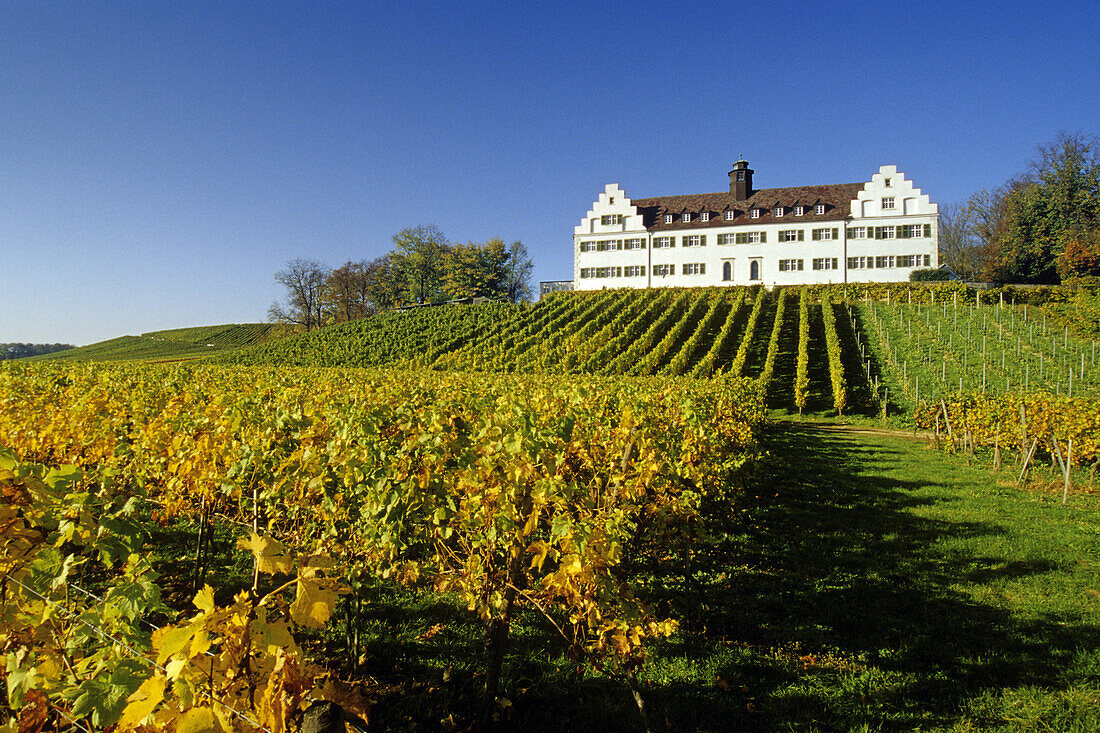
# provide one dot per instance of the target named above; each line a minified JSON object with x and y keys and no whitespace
{"x":159,"y":162}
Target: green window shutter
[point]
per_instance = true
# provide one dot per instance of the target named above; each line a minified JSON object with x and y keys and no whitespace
{"x":928,"y":230}
{"x":703,"y":269}
{"x":763,"y":237}
{"x":801,"y":235}
{"x":836,"y":233}
{"x":878,"y":232}
{"x":703,"y":240}
{"x":816,"y":234}
{"x":672,"y":241}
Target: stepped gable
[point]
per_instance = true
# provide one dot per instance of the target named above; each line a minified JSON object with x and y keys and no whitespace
{"x":837,"y":198}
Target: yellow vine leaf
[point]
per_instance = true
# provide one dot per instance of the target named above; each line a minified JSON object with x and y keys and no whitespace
{"x":540,"y":550}
{"x":142,"y":702}
{"x":198,"y":720}
{"x":170,"y":640}
{"x":204,"y":599}
{"x":270,"y":555}
{"x":314,"y":603}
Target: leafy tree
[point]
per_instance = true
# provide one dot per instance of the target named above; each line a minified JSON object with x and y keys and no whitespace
{"x":517,"y":276}
{"x":21,"y":350}
{"x":385,"y":282}
{"x":476,"y":270}
{"x":1080,"y":255}
{"x":304,"y":281}
{"x":1059,"y":194}
{"x":421,"y":254}
{"x":347,"y":293}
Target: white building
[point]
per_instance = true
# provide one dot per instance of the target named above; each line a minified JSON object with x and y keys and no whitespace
{"x":878,"y":231}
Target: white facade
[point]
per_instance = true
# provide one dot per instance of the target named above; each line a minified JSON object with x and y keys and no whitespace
{"x":878,"y":231}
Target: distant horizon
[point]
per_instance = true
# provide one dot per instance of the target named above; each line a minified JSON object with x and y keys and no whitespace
{"x":163,"y":162}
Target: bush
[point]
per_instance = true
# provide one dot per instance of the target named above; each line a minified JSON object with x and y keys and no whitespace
{"x":929,"y":275}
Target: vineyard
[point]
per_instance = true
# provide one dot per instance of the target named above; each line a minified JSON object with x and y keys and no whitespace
{"x":224,"y":544}
{"x":174,"y":345}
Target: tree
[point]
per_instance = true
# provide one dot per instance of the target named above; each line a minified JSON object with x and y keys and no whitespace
{"x":1060,"y":193}
{"x":421,"y":255}
{"x":347,"y":293}
{"x":304,"y":281}
{"x":959,"y":248}
{"x":385,"y":282}
{"x":517,"y":276}
{"x":476,"y":270}
{"x":1080,"y":255}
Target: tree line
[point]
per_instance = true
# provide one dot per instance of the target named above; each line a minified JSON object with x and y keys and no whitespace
{"x":1042,"y":226}
{"x":422,"y":267}
{"x":21,"y":351}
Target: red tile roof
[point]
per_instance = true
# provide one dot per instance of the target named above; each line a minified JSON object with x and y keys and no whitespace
{"x":837,"y":198}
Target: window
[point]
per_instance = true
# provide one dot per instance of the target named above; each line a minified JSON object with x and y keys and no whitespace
{"x":825,"y":263}
{"x":634,"y":244}
{"x":755,"y":213}
{"x":819,"y":209}
{"x":609,"y":245}
{"x":726,"y":239}
{"x":694,"y":268}
{"x":888,"y":182}
{"x":905,"y":260}
{"x":914,"y":231}
{"x":729,"y":215}
{"x":685,"y":217}
{"x":586,"y":272}
{"x":740,"y":175}
{"x":928,"y":260}
{"x":857,"y":232}
{"x":884,"y":232}
{"x":727,"y":271}
{"x":826,"y":233}
{"x":799,"y":210}
{"x":888,"y":203}
{"x":790,"y":265}
{"x":694,"y":240}
{"x":664,"y":242}
{"x":853,"y":263}
{"x":778,"y":211}
{"x":885,"y":261}
{"x":611,"y":200}
{"x":634,"y":271}
{"x":705,"y":216}
{"x":668,"y":218}
{"x":611,"y":220}
{"x":588,"y":246}
{"x":860,"y":263}
{"x":754,"y":269}
{"x":663,"y":270}
{"x":791,"y":235}
{"x":752,"y":237}
{"x":607,"y":272}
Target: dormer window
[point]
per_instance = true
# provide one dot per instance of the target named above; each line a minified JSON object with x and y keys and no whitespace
{"x":611,"y":220}
{"x":799,"y":210}
{"x":668,"y":218}
{"x":778,"y":211}
{"x":819,"y":209}
{"x":888,"y":204}
{"x":729,"y":215}
{"x":705,"y":216}
{"x":754,"y":213}
{"x":685,"y":218}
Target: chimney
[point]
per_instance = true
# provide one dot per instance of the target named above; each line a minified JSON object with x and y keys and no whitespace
{"x":741,"y":180}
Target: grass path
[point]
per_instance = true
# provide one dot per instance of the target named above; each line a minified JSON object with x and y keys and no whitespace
{"x":873,"y":584}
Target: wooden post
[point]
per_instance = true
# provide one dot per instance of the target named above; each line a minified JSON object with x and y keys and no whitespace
{"x":1027,"y":461}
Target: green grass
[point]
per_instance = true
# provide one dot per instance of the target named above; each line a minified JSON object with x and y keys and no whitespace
{"x":873,"y":584}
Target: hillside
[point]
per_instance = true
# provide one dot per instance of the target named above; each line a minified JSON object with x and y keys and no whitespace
{"x":174,"y":344}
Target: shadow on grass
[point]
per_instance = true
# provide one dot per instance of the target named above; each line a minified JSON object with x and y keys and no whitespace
{"x":840,"y":607}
